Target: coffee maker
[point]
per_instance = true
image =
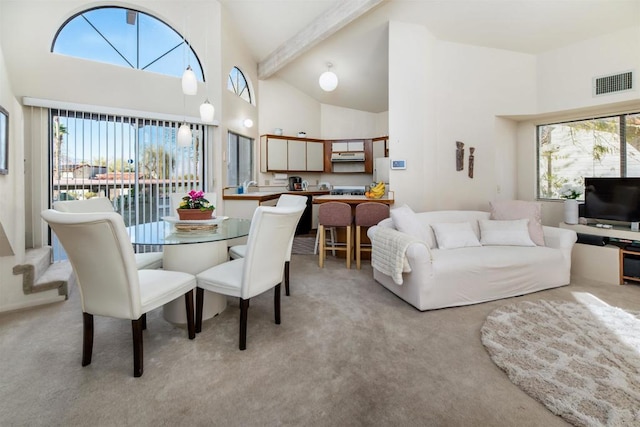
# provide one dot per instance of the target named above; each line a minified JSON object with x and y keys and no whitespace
{"x":295,"y":183}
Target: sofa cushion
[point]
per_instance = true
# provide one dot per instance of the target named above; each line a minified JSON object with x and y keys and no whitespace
{"x":505,"y":233}
{"x":521,"y":209}
{"x":453,"y":235}
{"x":406,"y":221}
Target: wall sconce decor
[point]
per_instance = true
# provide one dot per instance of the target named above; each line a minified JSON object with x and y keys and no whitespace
{"x":459,"y":155}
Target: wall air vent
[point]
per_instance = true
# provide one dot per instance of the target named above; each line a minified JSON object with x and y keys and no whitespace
{"x":613,"y":83}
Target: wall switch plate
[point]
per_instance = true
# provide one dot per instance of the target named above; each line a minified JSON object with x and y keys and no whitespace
{"x":398,"y":164}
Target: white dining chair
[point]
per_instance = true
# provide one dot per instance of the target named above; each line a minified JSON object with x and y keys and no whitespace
{"x":239,"y":251}
{"x":110,"y":284}
{"x":144,"y":260}
{"x":272,"y":229}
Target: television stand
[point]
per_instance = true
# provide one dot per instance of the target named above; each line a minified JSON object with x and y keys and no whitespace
{"x":604,"y":263}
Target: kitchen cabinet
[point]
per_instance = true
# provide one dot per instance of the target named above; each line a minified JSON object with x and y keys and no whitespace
{"x":277,"y":154}
{"x":357,"y":145}
{"x":296,"y":155}
{"x":290,"y":154}
{"x":315,"y":156}
{"x":380,"y":147}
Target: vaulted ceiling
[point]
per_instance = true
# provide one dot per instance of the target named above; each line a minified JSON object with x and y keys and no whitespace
{"x":294,"y":39}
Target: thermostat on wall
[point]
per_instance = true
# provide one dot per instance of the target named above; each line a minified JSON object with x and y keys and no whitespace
{"x":398,"y":164}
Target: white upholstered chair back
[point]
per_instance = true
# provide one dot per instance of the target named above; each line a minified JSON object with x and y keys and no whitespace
{"x":101,"y":254}
{"x":271,"y":232}
{"x":291,"y":200}
{"x":145,"y":260}
{"x":95,"y":204}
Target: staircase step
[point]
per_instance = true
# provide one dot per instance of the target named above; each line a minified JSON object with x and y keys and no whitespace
{"x":39,"y":274}
{"x":39,"y":258}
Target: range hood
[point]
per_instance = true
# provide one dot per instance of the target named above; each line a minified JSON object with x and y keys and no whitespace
{"x":348,"y":156}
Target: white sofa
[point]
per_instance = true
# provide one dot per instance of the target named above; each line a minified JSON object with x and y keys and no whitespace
{"x":468,"y":275}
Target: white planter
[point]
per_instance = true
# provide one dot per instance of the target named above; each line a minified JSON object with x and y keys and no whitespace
{"x":571,"y":211}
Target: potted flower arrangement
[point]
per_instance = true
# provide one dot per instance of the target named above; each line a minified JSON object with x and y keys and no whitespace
{"x":570,"y":193}
{"x":195,"y":207}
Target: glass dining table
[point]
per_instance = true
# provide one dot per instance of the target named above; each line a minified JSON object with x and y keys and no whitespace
{"x":191,"y":247}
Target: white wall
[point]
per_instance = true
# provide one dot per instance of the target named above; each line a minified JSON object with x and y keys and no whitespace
{"x":564,"y":93}
{"x":442,"y":92}
{"x":340,"y":122}
{"x":12,"y":205}
{"x":412,"y":114}
{"x":565,"y":74}
{"x":285,"y":107}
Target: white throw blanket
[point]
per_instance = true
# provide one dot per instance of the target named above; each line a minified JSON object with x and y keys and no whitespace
{"x":388,"y":252}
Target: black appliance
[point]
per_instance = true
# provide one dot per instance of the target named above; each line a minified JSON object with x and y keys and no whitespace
{"x":293,"y":180}
{"x":348,"y":190}
{"x":306,"y":220}
{"x":616,"y":199}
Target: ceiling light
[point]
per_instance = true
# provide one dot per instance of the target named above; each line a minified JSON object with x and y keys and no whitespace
{"x":184,"y":136}
{"x":207,"y":112}
{"x":328,"y":80}
{"x":189,"y":82}
{"x":248,"y":123}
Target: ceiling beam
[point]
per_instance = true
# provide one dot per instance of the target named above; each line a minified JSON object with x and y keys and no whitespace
{"x":330,"y":22}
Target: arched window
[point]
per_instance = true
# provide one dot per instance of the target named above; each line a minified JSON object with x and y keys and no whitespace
{"x":238,"y":84}
{"x":128,"y":38}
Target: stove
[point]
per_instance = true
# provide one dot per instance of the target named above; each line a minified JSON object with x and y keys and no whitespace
{"x":348,"y":190}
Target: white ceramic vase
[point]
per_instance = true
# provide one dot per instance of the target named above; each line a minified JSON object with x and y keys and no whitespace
{"x":571,"y":211}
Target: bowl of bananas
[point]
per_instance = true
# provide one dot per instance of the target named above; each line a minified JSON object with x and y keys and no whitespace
{"x":376,"y":190}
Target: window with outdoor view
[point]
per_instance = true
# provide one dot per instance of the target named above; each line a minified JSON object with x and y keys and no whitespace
{"x":237,"y":83}
{"x":240,"y":159}
{"x":598,"y":147}
{"x":127,"y":38}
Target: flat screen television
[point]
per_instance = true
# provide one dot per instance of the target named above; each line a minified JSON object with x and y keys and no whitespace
{"x":616,"y":199}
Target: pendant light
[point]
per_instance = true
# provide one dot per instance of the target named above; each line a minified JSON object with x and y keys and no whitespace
{"x":184,"y":135}
{"x":328,"y":80}
{"x":189,"y":82}
{"x":207,"y":111}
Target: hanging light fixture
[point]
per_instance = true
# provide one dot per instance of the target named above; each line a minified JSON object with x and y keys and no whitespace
{"x":248,"y":123}
{"x":328,"y":80}
{"x":189,"y":82}
{"x":185,"y":136}
{"x":207,"y":112}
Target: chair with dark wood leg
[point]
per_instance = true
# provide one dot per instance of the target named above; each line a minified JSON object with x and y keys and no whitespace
{"x":261,"y":269}
{"x":239,"y":251}
{"x":100,"y":252}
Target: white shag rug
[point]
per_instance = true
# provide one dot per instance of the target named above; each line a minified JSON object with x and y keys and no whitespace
{"x":581,"y":361}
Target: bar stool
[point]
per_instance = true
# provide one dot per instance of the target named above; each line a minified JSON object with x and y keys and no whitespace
{"x":334,"y":214}
{"x":367,"y":214}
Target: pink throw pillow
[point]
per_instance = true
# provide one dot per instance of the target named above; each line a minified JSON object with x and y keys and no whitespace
{"x":521,"y":209}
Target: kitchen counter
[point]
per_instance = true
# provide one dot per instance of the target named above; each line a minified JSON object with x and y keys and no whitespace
{"x":350,"y":199}
{"x":263,"y":196}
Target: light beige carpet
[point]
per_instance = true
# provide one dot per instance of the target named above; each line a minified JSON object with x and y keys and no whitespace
{"x":582,"y":361}
{"x":348,"y":353}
